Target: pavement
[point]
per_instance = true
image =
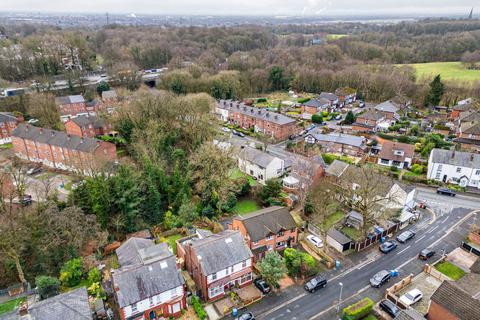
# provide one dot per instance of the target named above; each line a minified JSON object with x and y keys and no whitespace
{"x":444,"y":233}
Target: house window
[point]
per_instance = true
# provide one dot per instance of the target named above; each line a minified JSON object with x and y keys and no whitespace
{"x":459,"y":169}
{"x":244,"y":264}
{"x":176,"y":307}
{"x":477,"y":172}
{"x":214,"y":276}
{"x":270,"y":237}
{"x":134,"y":308}
{"x":384,"y":161}
{"x":246,"y":278}
{"x":150,"y":300}
{"x":213,"y":292}
{"x":280,"y":234}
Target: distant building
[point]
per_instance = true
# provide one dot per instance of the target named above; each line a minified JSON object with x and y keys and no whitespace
{"x":389,"y":109}
{"x":371,"y":121}
{"x":60,"y":150}
{"x":314,"y":106}
{"x":260,"y":165}
{"x":88,"y":126}
{"x":71,"y":106}
{"x":333,"y":99}
{"x":450,"y":166}
{"x":346,"y":95}
{"x":8,"y":122}
{"x":338,"y":143}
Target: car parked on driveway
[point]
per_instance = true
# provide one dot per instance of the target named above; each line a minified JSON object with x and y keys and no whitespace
{"x":446,"y":192}
{"x":380,"y":278}
{"x":411,"y":297}
{"x":315,"y":283}
{"x":426,"y":254}
{"x":389,"y":307}
{"x":262,"y":285}
{"x":316,"y":241}
{"x":225,"y":129}
{"x":388,"y":246}
{"x":405,"y":236}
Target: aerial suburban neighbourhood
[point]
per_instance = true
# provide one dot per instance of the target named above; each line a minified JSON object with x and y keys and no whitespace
{"x":269,"y":160}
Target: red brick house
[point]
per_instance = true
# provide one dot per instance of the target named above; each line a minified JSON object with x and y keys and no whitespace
{"x":462,"y":106}
{"x":60,"y":150}
{"x":314,"y":106}
{"x":269,"y":229}
{"x":368,"y":121}
{"x":71,"y":106}
{"x":8,"y":122}
{"x":275,"y":125}
{"x":149,"y":284}
{"x":87,"y":126}
{"x":217,"y":262}
{"x":346,"y":95}
{"x":450,"y":302}
{"x":389,"y":109}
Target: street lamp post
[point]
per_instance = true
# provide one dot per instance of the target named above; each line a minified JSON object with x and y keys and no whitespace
{"x":340,"y":297}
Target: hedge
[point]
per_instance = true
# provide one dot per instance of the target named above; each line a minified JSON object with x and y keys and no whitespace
{"x":197,"y":306}
{"x":261,"y":100}
{"x":303,"y":100}
{"x":358,"y":310}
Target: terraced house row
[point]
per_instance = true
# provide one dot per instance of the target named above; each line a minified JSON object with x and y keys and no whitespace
{"x":60,"y":150}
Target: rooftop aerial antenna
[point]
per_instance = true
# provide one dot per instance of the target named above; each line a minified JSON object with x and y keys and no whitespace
{"x":470,"y":16}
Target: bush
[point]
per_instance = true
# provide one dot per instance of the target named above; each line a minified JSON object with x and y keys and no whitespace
{"x":94,"y":275}
{"x":418,"y":168}
{"x":71,"y":272}
{"x":328,"y":158}
{"x":47,"y":286}
{"x":303,"y":100}
{"x":95,"y":290}
{"x":261,"y":100}
{"x":317,"y":118}
{"x":197,"y":306}
{"x":358,"y":310}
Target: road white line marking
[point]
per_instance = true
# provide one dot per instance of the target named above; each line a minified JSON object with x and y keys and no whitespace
{"x":433,"y":229}
{"x":405,"y":263}
{"x":421,"y":238}
{"x":403,"y":250}
{"x":444,"y":220}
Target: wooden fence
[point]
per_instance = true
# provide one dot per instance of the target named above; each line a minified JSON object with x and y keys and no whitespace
{"x":364,"y":244}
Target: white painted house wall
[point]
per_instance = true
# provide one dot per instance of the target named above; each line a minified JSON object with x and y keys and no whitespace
{"x":157,"y":300}
{"x":463,"y":176}
{"x":273,"y":170}
{"x":222,"y":113}
{"x":225,"y":272}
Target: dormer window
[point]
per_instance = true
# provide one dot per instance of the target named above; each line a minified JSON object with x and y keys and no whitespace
{"x":398,"y":152}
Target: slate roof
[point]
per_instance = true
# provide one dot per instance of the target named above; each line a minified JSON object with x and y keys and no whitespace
{"x":457,"y":301}
{"x":387,"y":106}
{"x":144,"y":281}
{"x":258,"y":157}
{"x":317,"y":103}
{"x":86,"y":120}
{"x":258,"y":113}
{"x":470,"y":116}
{"x":371,"y":115}
{"x":261,"y":223}
{"x":463,"y":107}
{"x":389,"y":147}
{"x":409,"y":314}
{"x":475,"y":267}
{"x":338,"y":236}
{"x":109,"y":94}
{"x":467,"y":141}
{"x":69,"y":99}
{"x":329,"y":96}
{"x":338,"y":138}
{"x":55,"y":138}
{"x":220,"y":251}
{"x":471,"y":128}
{"x":336,"y":168}
{"x":7,"y":117}
{"x":456,"y":158}
{"x":128,"y":252}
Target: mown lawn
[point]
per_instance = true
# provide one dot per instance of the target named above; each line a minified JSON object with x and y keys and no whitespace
{"x":171,"y":241}
{"x":450,"y":270}
{"x":236,"y":174}
{"x":352,"y":233}
{"x":246,"y":206}
{"x":331,"y":220}
{"x":335,"y":36}
{"x":450,"y":71}
{"x":11,"y":305}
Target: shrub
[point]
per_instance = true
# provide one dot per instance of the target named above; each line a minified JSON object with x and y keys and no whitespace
{"x":47,"y":286}
{"x":94,"y":275}
{"x":303,"y":100}
{"x":317,"y":118}
{"x":71,"y":272}
{"x":261,"y":100}
{"x":358,"y":310}
{"x":418,"y":168}
{"x":328,"y":158}
{"x":95,"y":290}
{"x":324,"y":114}
{"x":197,"y":306}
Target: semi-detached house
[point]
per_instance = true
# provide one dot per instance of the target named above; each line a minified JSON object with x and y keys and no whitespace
{"x":8,"y":122}
{"x":260,"y":165}
{"x":450,"y":166}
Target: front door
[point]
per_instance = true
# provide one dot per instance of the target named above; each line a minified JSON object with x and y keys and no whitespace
{"x":152,"y":315}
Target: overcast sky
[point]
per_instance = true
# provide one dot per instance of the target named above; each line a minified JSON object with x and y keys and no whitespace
{"x":245,"y":7}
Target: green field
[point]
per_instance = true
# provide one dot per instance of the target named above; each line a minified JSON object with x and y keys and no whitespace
{"x":449,"y":71}
{"x":336,"y":36}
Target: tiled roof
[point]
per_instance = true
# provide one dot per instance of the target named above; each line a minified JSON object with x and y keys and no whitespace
{"x":329,"y":96}
{"x":389,"y":148}
{"x":261,"y":223}
{"x":258,"y":157}
{"x":317,"y":103}
{"x":457,"y":301}
{"x":110,"y":94}
{"x":471,"y":128}
{"x":336,"y":168}
{"x":55,"y":138}
{"x":387,"y":106}
{"x":128,"y":252}
{"x":345,"y":139}
{"x":409,"y":314}
{"x":258,"y":113}
{"x":7,"y":117}
{"x":371,"y":115}
{"x":338,"y":236}
{"x":456,"y":158}
{"x":84,"y":121}
{"x":69,"y":99}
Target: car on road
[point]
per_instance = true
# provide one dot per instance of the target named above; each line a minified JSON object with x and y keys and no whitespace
{"x":405,"y":236}
{"x":426,"y":254}
{"x":316,"y":241}
{"x":389,"y":307}
{"x":262,"y":285}
{"x":225,"y":129}
{"x":246,"y":316}
{"x":238,"y":133}
{"x":446,"y":192}
{"x":388,"y":246}
{"x":380,"y":278}
{"x":411,"y":297}
{"x":316,"y":283}
{"x":34,"y":170}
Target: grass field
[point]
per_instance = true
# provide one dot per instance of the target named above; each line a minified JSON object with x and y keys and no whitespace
{"x":246,"y":206}
{"x":10,"y":305}
{"x":336,"y":36}
{"x":450,"y":270}
{"x":449,"y":71}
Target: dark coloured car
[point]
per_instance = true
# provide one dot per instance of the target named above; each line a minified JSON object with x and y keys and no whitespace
{"x":238,"y":133}
{"x":405,"y":236}
{"x":389,"y":307}
{"x":388,"y":246}
{"x":446,"y":192}
{"x":380,"y":278}
{"x":247,"y":316}
{"x":262,"y":285}
{"x":34,"y":170}
{"x":426,"y":254}
{"x":315,"y":283}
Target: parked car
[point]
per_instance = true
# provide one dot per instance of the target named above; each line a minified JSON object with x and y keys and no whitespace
{"x":380,"y":278}
{"x":247,"y":316}
{"x":361,"y":104}
{"x":446,"y":191}
{"x":388,"y":246}
{"x":316,"y":241}
{"x":238,"y":133}
{"x":411,"y":297}
{"x":389,"y":307}
{"x":225,"y":129}
{"x":262,"y":285}
{"x":405,"y":236}
{"x":315,"y":283}
{"x":311,"y":127}
{"x":34,"y":170}
{"x":426,"y":254}
{"x":26,"y":201}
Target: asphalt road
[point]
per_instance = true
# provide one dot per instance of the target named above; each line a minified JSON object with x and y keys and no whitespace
{"x":445,"y":232}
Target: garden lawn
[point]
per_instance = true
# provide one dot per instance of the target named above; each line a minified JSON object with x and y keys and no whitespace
{"x":331,"y":220}
{"x":450,"y":270}
{"x":450,"y":71}
{"x":246,"y":206}
{"x":11,"y":305}
{"x":171,"y":241}
{"x":352,"y":233}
